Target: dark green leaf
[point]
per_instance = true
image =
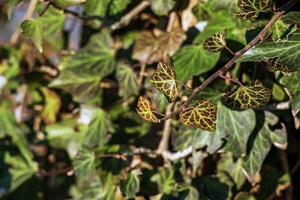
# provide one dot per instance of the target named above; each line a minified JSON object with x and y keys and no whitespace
{"x":132,"y":185}
{"x":292,"y":17}
{"x":250,"y":9}
{"x":287,"y":51}
{"x":262,"y":144}
{"x":193,"y":60}
{"x":102,"y":7}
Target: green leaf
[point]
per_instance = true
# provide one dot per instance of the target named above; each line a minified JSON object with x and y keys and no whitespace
{"x":102,"y":7}
{"x":287,"y":51}
{"x":292,"y":83}
{"x":81,"y":73}
{"x":292,"y":18}
{"x":244,"y":196}
{"x":232,"y":168}
{"x":99,"y":127}
{"x":192,"y":194}
{"x":165,"y":180}
{"x":84,"y":87}
{"x":164,"y":79}
{"x":232,"y":124}
{"x":84,"y":163}
{"x":127,"y":80}
{"x":7,"y":123}
{"x":162,"y":7}
{"x":67,"y":3}
{"x":32,"y":28}
{"x":193,"y":60}
{"x":214,"y":189}
{"x":252,"y":96}
{"x":278,"y":30}
{"x":212,"y":141}
{"x":132,"y":185}
{"x":262,"y":144}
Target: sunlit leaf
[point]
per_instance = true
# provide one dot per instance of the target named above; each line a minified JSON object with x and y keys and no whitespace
{"x":202,"y":116}
{"x":51,"y":107}
{"x":84,"y":163}
{"x":143,"y":108}
{"x":250,"y":9}
{"x":162,"y":7}
{"x":32,"y":28}
{"x":262,"y":144}
{"x":103,"y":7}
{"x":215,"y":43}
{"x":165,"y":180}
{"x":67,"y":3}
{"x":251,"y":96}
{"x":244,"y":196}
{"x":164,"y":79}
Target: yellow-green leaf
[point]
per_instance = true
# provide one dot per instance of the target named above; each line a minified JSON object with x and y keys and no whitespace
{"x":251,"y":96}
{"x":143,"y":108}
{"x":216,"y":42}
{"x":202,"y":116}
{"x":164,"y":79}
{"x":51,"y":107}
{"x":250,"y":9}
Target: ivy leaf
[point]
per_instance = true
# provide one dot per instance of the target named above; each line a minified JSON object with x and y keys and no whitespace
{"x":250,"y":9}
{"x":51,"y":107}
{"x":32,"y":29}
{"x":215,"y":43}
{"x":274,"y":64}
{"x":127,"y":80}
{"x":192,"y":194}
{"x":132,"y":185}
{"x":244,"y":196}
{"x":193,"y":60}
{"x":165,"y":180}
{"x":10,"y":6}
{"x":287,"y":51}
{"x":84,"y":87}
{"x":149,"y":48}
{"x":247,"y":97}
{"x":278,"y":30}
{"x":98,"y":128}
{"x":162,"y":7}
{"x":143,"y":108}
{"x":291,"y":18}
{"x":7,"y":123}
{"x":67,"y":3}
{"x":292,"y":83}
{"x":202,"y":116}
{"x":164,"y":79}
{"x":262,"y":144}
{"x":84,"y":163}
{"x":103,"y":7}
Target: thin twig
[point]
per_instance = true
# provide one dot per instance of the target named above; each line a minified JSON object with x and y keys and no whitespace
{"x":228,"y":49}
{"x":125,"y":20}
{"x":230,"y":79}
{"x":142,"y":73}
{"x":229,"y":64}
{"x":164,"y":142}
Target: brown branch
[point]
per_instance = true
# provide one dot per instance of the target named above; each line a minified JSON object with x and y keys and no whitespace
{"x":227,"y":66}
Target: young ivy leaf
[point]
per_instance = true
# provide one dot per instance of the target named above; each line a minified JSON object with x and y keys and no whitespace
{"x":216,"y":42}
{"x":143,"y":108}
{"x":250,"y":9}
{"x":247,"y":97}
{"x":274,"y":65}
{"x":164,"y":79}
{"x":202,"y":116}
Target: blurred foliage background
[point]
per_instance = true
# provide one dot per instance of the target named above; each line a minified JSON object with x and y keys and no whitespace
{"x":71,"y":72}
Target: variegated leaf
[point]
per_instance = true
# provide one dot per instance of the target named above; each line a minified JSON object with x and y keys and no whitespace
{"x":164,"y":79}
{"x":202,"y":116}
{"x":274,"y":64}
{"x":216,"y":42}
{"x":250,"y":9}
{"x":247,"y":97}
{"x":143,"y":108}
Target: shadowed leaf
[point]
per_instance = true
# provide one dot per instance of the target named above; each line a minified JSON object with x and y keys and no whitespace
{"x":132,"y":185}
{"x":274,"y":64}
{"x":250,"y":9}
{"x":164,"y":79}
{"x":215,"y":43}
{"x":202,"y":116}
{"x":143,"y":108}
{"x":247,"y":97}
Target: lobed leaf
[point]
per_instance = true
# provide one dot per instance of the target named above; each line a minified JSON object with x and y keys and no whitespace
{"x":250,"y":9}
{"x":247,"y":97}
{"x":127,"y":80}
{"x":84,"y":163}
{"x":274,"y":64}
{"x":32,"y":28}
{"x":143,"y":108}
{"x":216,"y":42}
{"x":202,"y":116}
{"x":164,"y":79}
{"x":132,"y":185}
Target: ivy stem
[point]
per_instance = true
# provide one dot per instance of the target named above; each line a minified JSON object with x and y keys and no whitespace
{"x":230,"y":79}
{"x":229,"y":50}
{"x":230,"y":63}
